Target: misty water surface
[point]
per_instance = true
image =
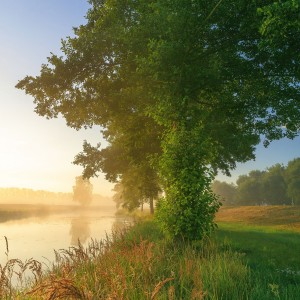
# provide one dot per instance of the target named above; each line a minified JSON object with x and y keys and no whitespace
{"x":37,"y":236}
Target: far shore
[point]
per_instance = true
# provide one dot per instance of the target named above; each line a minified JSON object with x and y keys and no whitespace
{"x":15,"y":211}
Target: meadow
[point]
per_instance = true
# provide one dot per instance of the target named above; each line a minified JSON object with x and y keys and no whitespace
{"x":269,"y":239}
{"x":254,"y":254}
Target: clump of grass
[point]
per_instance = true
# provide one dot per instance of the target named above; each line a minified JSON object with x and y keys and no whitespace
{"x":14,"y":274}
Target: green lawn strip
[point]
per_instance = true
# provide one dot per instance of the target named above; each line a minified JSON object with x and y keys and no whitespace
{"x":272,"y":254}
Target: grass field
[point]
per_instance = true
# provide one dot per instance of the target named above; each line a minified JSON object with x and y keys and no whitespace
{"x":269,"y":238}
{"x":250,"y":257}
{"x":275,"y":217}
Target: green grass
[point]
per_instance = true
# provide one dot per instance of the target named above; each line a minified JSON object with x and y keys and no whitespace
{"x":269,"y":237}
{"x":272,"y":255}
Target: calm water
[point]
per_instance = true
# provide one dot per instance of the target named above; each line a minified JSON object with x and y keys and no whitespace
{"x":37,"y":237}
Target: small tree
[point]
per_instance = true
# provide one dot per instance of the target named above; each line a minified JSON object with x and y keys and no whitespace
{"x":82,"y":191}
{"x":226,"y":191}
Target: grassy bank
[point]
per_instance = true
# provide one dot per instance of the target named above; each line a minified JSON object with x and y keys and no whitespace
{"x":241,"y":261}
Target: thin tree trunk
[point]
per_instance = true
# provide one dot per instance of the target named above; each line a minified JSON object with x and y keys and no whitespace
{"x":151,"y":206}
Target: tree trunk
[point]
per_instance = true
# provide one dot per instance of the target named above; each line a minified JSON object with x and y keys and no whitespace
{"x":151,"y":206}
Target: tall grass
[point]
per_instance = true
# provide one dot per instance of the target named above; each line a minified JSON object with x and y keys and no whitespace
{"x":14,"y":275}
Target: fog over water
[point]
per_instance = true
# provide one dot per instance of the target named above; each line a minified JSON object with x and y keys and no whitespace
{"x":36,"y":230}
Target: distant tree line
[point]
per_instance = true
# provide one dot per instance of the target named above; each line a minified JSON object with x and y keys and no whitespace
{"x":277,"y":185}
{"x":25,"y":195}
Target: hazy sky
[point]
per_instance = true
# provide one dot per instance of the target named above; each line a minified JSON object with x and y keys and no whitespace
{"x":37,"y":153}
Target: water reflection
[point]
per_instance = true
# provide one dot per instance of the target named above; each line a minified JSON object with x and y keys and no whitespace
{"x":80,"y":230}
{"x":36,"y":235}
{"x":120,"y":224}
{"x":11,"y":212}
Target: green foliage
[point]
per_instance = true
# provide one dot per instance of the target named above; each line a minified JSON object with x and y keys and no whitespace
{"x":127,"y":162}
{"x":274,"y":186}
{"x":278,"y":185}
{"x":188,"y":209}
{"x":250,"y":189}
{"x":281,"y":28}
{"x":138,"y":185}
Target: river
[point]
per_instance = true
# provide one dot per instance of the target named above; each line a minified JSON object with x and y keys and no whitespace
{"x":37,"y":235}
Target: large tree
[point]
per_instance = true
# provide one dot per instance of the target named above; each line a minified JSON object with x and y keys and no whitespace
{"x":209,"y":80}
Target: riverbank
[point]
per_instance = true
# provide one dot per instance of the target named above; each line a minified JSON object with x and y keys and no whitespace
{"x":139,"y":263}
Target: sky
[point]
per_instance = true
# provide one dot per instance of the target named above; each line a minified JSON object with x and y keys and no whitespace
{"x":35,"y":152}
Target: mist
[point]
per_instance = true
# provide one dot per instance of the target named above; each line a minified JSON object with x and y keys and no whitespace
{"x":29,"y":196}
